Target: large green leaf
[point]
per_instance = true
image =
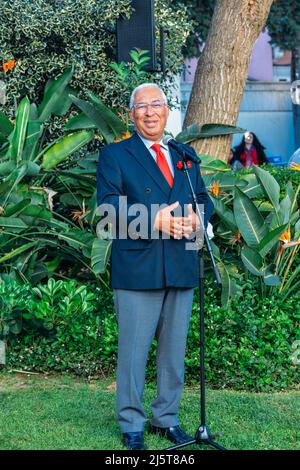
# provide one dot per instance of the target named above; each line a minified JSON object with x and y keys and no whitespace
{"x":264,"y":206}
{"x":37,"y":212}
{"x":12,"y":223}
{"x":53,"y":264}
{"x":226,"y":182}
{"x":252,"y":260}
{"x":225,"y":214}
{"x":80,"y":121}
{"x":5,"y":186}
{"x":14,"y":178}
{"x":211,"y":164}
{"x":229,"y":288}
{"x":100,"y":255}
{"x":18,"y":173}
{"x":20,"y":130}
{"x":293,"y":197}
{"x":297,"y":229}
{"x":34,"y":132}
{"x":269,"y":240}
{"x":6,"y":126}
{"x":270,"y":279}
{"x":37,"y":272}
{"x":33,"y":114}
{"x":33,"y":169}
{"x":93,"y":113}
{"x":269,"y":185}
{"x":17,"y":251}
{"x":113,"y":121}
{"x":16,"y":209}
{"x":63,"y":105}
{"x":248,"y":218}
{"x":77,"y":238}
{"x":284,"y":210}
{"x":253,"y":188}
{"x":7,"y":167}
{"x":80,"y":175}
{"x":65,"y":147}
{"x":53,"y":95}
{"x":194,"y":132}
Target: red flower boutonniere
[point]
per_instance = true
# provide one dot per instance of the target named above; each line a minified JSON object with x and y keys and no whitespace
{"x":179,"y":165}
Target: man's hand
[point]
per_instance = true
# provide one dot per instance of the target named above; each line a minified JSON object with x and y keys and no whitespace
{"x":177,"y":227}
{"x":194,"y":218}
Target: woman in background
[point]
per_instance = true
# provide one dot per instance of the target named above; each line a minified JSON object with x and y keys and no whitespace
{"x":249,"y":152}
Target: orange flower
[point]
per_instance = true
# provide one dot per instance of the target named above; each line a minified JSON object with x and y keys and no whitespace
{"x":79,"y":215}
{"x":124,"y":136}
{"x":236,"y":238}
{"x":215,"y":189}
{"x":285,"y":237}
{"x":296,"y":166}
{"x":8,"y":65}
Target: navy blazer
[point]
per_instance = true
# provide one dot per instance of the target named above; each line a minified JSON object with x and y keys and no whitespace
{"x":128,"y":169}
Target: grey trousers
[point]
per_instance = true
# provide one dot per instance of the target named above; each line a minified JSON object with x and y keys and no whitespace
{"x":142,"y":315}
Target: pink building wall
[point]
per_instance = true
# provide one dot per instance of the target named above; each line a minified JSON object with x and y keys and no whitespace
{"x":261,"y":64}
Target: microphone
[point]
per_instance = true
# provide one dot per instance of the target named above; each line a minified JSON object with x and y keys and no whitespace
{"x":183,"y":150}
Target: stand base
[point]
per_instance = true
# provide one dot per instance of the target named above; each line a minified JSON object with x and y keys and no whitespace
{"x":202,"y":436}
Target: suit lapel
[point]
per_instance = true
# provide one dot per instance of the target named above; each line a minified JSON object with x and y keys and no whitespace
{"x":142,"y":155}
{"x":178,"y":177}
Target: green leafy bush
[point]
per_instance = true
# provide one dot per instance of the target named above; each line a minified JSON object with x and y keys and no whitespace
{"x":62,"y":327}
{"x":68,"y":327}
{"x":257,"y":228}
{"x":45,"y":37}
{"x":249,"y":344}
{"x":284,"y":175}
{"x":28,"y":184}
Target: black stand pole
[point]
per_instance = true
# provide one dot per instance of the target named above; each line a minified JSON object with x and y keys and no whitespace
{"x":202,"y":435}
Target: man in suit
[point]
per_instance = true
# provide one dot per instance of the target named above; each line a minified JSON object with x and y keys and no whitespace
{"x":153,"y":275}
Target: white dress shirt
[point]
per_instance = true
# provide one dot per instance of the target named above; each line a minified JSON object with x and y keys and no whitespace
{"x":164,"y":149}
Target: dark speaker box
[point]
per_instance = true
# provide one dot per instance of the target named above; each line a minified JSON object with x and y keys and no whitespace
{"x":137,"y":32}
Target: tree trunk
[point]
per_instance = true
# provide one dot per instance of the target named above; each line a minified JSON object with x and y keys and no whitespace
{"x":222,"y":69}
{"x":296,"y":76}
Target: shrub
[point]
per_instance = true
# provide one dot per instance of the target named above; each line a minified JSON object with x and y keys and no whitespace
{"x":45,"y":37}
{"x":257,"y":228}
{"x":62,"y":327}
{"x":249,"y":344}
{"x":72,"y":328}
{"x":284,"y":175}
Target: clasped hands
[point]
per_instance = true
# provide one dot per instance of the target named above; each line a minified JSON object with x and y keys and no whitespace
{"x":177,"y":227}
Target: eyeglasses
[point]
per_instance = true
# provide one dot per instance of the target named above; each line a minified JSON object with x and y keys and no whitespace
{"x":143,"y":107}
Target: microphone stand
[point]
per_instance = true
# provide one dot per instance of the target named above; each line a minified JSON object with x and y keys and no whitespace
{"x":202,"y":435}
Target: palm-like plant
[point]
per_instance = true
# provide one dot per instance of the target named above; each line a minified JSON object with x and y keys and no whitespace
{"x":34,"y":239}
{"x":261,"y":226}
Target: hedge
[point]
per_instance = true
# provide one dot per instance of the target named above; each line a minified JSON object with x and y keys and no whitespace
{"x":72,"y":328}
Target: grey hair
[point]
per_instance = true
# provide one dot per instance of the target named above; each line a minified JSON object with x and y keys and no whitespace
{"x":141,"y":87}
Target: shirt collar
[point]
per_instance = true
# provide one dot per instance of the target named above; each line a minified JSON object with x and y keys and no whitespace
{"x":149,"y":143}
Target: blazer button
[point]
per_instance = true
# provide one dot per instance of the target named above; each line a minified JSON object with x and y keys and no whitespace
{"x":148,"y":190}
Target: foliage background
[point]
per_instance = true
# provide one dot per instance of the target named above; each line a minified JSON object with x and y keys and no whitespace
{"x":283,"y":23}
{"x":71,"y":328}
{"x":47,"y":36}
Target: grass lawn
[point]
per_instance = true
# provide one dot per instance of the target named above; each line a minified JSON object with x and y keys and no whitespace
{"x":62,"y":412}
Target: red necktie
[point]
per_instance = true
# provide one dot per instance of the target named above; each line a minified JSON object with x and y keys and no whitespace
{"x":163,"y":164}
